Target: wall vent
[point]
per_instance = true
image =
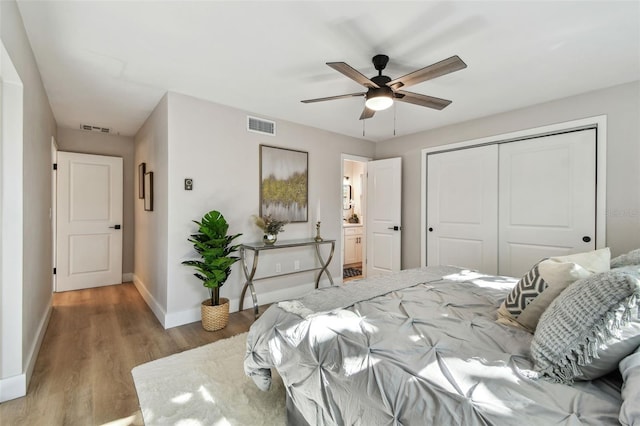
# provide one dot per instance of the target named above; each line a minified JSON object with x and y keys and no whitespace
{"x":97,"y":129}
{"x":259,"y":125}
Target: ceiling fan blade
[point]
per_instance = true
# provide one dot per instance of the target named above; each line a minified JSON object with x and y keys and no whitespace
{"x":422,"y":100}
{"x":366,"y":113}
{"x":332,"y":98}
{"x":353,"y":74}
{"x":438,"y":69}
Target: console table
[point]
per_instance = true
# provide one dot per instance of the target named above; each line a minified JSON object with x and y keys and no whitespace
{"x":257,"y":247}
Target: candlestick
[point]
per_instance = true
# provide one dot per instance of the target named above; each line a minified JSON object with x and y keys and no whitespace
{"x":318,"y":237}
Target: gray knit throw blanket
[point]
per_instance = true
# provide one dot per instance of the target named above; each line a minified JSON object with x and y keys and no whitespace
{"x":581,"y":320}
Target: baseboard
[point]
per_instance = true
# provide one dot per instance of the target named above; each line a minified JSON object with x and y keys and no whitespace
{"x":189,"y":316}
{"x":35,"y":347}
{"x":13,"y":387}
{"x":153,"y":304}
{"x":127,"y":277}
{"x":16,"y":386}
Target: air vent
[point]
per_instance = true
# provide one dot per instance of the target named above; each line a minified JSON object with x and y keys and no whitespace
{"x":259,"y":125}
{"x":97,"y":129}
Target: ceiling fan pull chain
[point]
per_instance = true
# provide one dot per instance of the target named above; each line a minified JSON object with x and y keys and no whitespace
{"x":394,"y":118}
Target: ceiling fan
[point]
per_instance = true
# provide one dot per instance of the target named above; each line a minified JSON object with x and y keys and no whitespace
{"x":382,"y":90}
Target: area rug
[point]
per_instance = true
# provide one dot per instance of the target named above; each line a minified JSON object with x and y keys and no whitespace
{"x":207,"y":386}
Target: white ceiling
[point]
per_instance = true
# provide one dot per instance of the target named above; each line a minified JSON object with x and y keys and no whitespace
{"x":108,"y":63}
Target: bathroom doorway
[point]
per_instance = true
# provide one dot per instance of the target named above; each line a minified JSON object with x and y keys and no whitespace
{"x":354,"y":202}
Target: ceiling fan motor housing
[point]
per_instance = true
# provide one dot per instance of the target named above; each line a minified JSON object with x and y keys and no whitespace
{"x":380,"y":62}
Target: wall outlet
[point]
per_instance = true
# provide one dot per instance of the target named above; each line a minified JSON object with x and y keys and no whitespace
{"x":296,"y":265}
{"x":278,"y":267}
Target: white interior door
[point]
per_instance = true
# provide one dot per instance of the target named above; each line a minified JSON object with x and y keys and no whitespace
{"x":547,"y":199}
{"x":89,"y":220}
{"x":462,"y":208}
{"x":384,"y":198}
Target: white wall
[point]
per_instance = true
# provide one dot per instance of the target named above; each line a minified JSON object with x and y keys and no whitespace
{"x":621,"y":105}
{"x":76,"y":140}
{"x":209,"y":143}
{"x":35,"y":305}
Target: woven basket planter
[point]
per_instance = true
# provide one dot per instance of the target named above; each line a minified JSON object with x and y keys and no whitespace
{"x":215,"y":317}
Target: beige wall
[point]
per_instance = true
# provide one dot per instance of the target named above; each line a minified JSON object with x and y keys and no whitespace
{"x":76,"y":140}
{"x":150,"y":254}
{"x":39,"y":127}
{"x":210,"y":144}
{"x":621,"y":105}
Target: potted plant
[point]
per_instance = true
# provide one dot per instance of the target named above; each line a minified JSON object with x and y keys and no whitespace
{"x":214,"y":266}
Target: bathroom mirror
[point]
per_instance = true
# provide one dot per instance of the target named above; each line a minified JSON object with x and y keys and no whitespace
{"x":346,"y":197}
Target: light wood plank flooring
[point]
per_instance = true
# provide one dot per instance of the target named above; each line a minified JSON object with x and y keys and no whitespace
{"x":95,"y":337}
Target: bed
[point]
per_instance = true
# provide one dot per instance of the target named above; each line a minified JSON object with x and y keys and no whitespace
{"x":419,"y":347}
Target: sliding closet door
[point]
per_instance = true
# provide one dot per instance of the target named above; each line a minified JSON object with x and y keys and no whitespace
{"x":547,"y":195}
{"x":462,"y":208}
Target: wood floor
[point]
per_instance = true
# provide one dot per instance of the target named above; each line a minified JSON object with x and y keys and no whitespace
{"x":95,"y":337}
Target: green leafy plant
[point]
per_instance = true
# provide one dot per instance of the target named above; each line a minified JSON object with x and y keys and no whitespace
{"x":215,"y":249}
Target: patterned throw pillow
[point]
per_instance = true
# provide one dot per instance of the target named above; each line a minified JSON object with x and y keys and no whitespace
{"x":590,"y":327}
{"x":544,"y":282}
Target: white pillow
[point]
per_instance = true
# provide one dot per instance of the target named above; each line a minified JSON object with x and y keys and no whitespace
{"x":544,"y":282}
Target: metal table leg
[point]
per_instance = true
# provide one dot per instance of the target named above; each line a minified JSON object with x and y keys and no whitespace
{"x":249,"y":279}
{"x":324,"y":264}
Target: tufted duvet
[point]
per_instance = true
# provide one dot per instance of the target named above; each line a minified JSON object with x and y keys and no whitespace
{"x":420,"y":347}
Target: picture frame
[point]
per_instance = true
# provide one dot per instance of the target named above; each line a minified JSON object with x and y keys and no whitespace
{"x":284,"y":186}
{"x":148,"y":193}
{"x":142,"y":168}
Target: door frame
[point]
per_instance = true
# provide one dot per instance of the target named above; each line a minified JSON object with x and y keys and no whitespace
{"x":53,"y":212}
{"x":364,"y":160}
{"x":599,"y":123}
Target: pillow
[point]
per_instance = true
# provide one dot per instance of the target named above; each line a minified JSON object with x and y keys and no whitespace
{"x":631,"y":258}
{"x":630,"y":371}
{"x":589,"y":328}
{"x":544,"y":282}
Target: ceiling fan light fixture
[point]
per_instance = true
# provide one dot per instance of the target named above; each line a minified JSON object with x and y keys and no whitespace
{"x":379,"y":99}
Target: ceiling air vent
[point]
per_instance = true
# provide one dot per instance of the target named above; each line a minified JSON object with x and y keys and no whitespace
{"x":259,"y":125}
{"x":97,"y":129}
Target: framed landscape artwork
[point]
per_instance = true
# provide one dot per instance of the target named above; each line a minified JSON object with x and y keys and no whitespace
{"x":284,"y":183}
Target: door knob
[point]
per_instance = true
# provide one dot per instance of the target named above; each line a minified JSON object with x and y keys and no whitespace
{"x":395,"y":228}
{"x":430,"y":229}
{"x":115,"y":227}
{"x":586,"y":238}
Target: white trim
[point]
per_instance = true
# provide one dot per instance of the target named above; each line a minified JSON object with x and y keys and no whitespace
{"x":13,"y":387}
{"x":364,"y":160}
{"x":53,"y":212}
{"x":192,"y":315}
{"x":11,"y":224}
{"x":153,"y":304}
{"x":16,"y":386}
{"x":35,"y":348}
{"x":599,"y":122}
